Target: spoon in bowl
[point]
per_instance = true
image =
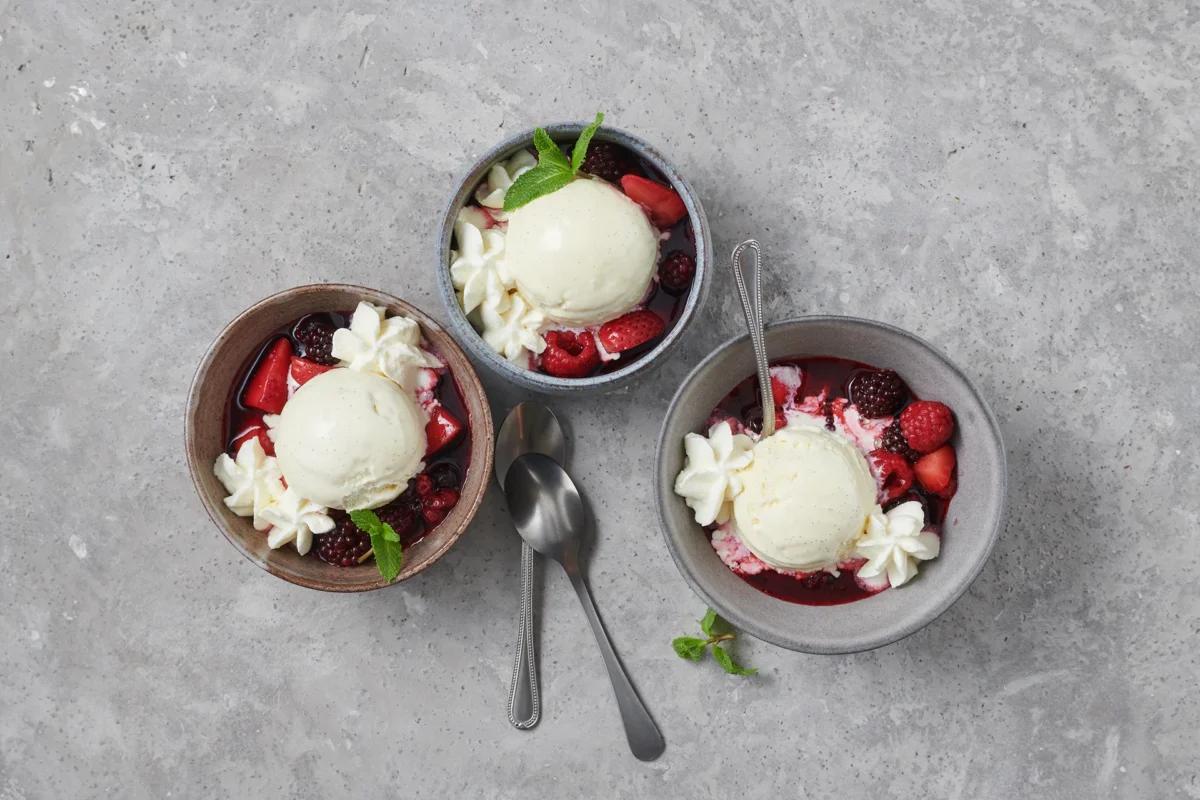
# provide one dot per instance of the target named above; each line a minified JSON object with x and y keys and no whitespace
{"x":528,"y":428}
{"x":752,"y":308}
{"x":548,"y":511}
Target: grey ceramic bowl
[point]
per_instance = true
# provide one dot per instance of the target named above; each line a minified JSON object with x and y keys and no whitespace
{"x":971,"y":528}
{"x":566,"y":133}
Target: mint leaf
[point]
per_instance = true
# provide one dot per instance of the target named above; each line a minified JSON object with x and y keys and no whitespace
{"x":722,"y":657}
{"x":579,"y":152}
{"x":369,"y":523}
{"x":553,"y":170}
{"x":549,"y":153}
{"x":714,"y":625}
{"x":535,"y":183}
{"x":389,"y":556}
{"x":689,"y":647}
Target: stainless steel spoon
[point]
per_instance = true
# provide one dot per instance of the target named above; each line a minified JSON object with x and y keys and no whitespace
{"x":528,"y":428}
{"x":548,"y":511}
{"x":752,"y":308}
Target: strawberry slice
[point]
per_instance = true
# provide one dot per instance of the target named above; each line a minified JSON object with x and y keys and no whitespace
{"x":935,"y":471}
{"x":779,"y":391}
{"x":662,"y":203}
{"x":303,"y":370}
{"x":268,"y":387}
{"x":631,"y":330}
{"x":441,"y":430}
{"x":252,"y":427}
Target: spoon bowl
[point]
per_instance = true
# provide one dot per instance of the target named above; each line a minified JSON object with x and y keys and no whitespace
{"x":529,"y":428}
{"x":547,"y":508}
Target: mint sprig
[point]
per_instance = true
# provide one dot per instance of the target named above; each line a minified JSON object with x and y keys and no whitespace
{"x":553,"y":170}
{"x":716,"y":630}
{"x":385,"y":543}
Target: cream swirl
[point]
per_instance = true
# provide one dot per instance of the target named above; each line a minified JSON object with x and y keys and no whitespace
{"x":710,"y":478}
{"x":387,"y":346}
{"x":294,"y":519}
{"x":253,"y":481}
{"x":893,"y":544}
{"x":477,"y":266}
{"x":513,"y":327}
{"x":491,"y":192}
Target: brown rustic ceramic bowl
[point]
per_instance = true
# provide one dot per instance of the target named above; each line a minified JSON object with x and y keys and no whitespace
{"x":209,"y":397}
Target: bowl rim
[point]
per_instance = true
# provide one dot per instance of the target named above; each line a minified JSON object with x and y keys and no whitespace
{"x":527,"y":378}
{"x":467,"y":380}
{"x":862,"y":643}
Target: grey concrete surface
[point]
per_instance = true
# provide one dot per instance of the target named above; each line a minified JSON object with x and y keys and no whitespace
{"x":1015,"y":181}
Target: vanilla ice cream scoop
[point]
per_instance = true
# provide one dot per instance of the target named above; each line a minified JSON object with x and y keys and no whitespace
{"x":805,"y":499}
{"x":349,"y":439}
{"x":583,"y":254}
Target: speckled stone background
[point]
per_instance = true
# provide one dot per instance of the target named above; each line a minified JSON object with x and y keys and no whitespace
{"x":1015,"y":181}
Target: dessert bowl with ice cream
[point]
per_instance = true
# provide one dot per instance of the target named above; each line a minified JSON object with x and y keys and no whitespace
{"x":338,"y":437}
{"x":573,"y":257}
{"x":863,"y":516}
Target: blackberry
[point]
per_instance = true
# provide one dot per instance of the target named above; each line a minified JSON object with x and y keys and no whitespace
{"x":816,"y":580}
{"x":752,"y":417}
{"x":894,"y":442}
{"x":400,"y":514}
{"x":344,"y":545}
{"x":445,"y":475}
{"x":607,"y":161}
{"x":676,"y":271}
{"x":878,"y":393}
{"x":316,"y":338}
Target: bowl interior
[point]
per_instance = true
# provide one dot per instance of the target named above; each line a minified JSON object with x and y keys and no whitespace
{"x":567,"y":133}
{"x":206,"y":434}
{"x":971,"y":527}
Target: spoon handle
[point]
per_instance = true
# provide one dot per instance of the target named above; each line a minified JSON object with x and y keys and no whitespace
{"x":524,"y":702}
{"x":645,"y":740}
{"x":752,"y":307}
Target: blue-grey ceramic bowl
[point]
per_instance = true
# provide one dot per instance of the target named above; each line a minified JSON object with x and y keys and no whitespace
{"x":567,"y":133}
{"x":972,"y":524}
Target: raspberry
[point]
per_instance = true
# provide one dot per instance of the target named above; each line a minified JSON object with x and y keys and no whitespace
{"x":424,"y":485}
{"x":316,"y":337}
{"x":894,"y":442}
{"x":894,"y":472}
{"x":402,"y":514}
{"x":878,"y":393}
{"x":816,"y":580}
{"x":927,"y":425}
{"x":676,"y":271}
{"x":437,"y":504}
{"x":442,"y":499}
{"x":606,"y":160}
{"x":344,"y":545}
{"x":570,"y":355}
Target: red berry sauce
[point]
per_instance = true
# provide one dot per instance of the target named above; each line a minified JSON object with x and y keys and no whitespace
{"x":445,"y":470}
{"x":833,"y":376}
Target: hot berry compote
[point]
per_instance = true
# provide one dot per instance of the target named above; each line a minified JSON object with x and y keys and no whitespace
{"x":574,"y":263}
{"x":344,"y":412}
{"x":854,"y":449}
